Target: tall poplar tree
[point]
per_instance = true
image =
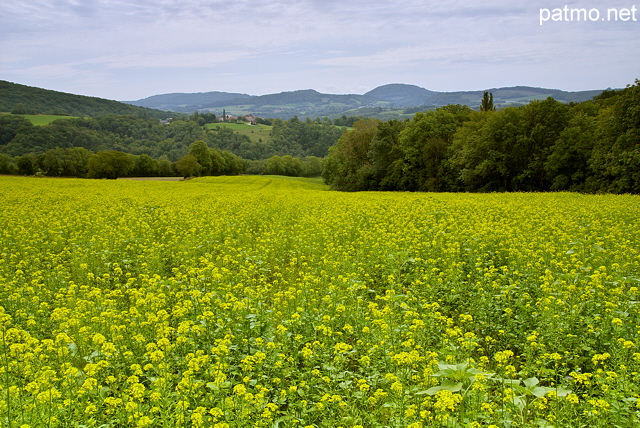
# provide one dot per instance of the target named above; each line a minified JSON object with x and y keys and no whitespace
{"x":487,"y":102}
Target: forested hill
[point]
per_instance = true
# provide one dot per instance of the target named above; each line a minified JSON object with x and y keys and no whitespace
{"x":182,"y":101}
{"x":511,"y":96}
{"x":546,"y":145}
{"x":31,"y":100}
{"x":385,"y":102}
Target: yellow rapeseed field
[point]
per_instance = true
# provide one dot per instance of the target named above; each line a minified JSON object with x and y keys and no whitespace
{"x":265,"y":301}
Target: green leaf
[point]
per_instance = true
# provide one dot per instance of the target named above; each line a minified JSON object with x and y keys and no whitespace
{"x":510,"y":382}
{"x":445,"y":366}
{"x":562,"y":391}
{"x":72,"y":348}
{"x":277,"y":422}
{"x":434,"y":390}
{"x":543,"y":424}
{"x":531,"y":382}
{"x":345,"y":384}
{"x":329,"y":368}
{"x":541,"y":391}
{"x":519,"y":402}
{"x":453,"y":387}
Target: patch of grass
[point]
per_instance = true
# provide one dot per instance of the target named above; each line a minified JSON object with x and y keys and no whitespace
{"x":254,"y":132}
{"x":44,"y":119}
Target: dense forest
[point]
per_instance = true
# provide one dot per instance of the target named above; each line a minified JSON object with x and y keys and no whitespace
{"x":295,"y":146}
{"x":83,"y":163}
{"x":138,"y":135}
{"x":593,"y":146}
{"x":22,"y":99}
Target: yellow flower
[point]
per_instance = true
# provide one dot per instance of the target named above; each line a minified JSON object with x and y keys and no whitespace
{"x":503,"y":356}
{"x":572,"y":398}
{"x":446,"y":401}
{"x":341,"y":348}
{"x":411,"y":411}
{"x":144,"y":421}
{"x":600,"y":358}
{"x":306,"y":352}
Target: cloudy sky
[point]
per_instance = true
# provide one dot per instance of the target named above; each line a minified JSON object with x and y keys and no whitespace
{"x":131,"y":49}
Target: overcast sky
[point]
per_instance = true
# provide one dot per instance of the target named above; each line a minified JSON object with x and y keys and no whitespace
{"x":131,"y":49}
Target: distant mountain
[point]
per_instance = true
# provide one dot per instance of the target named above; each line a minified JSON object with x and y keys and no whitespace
{"x":402,"y":95}
{"x":385,"y":101}
{"x":282,"y":105}
{"x":181,"y":100}
{"x":44,"y":101}
{"x":515,"y":95}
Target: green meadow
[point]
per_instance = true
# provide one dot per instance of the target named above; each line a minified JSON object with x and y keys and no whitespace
{"x":254,"y":132}
{"x":43,"y":119}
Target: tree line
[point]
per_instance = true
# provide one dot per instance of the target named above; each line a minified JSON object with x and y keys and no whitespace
{"x":201,"y":160}
{"x":83,"y":163}
{"x":128,"y":134}
{"x":204,"y":160}
{"x":593,"y":146}
{"x":308,"y":166}
{"x":136,"y":135}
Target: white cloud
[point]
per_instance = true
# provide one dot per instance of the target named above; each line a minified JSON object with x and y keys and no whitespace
{"x":179,"y":60}
{"x":293,"y":44}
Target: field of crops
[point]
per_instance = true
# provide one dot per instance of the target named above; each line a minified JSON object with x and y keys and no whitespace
{"x":263,"y":301}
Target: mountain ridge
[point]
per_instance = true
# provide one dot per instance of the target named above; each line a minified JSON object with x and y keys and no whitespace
{"x":45,"y":101}
{"x":311,"y":103}
{"x":395,"y":100}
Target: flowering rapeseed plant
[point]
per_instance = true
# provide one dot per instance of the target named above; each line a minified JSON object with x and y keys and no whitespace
{"x":256,"y":301}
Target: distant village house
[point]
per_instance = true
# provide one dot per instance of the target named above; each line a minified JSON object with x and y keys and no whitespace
{"x":249,"y":118}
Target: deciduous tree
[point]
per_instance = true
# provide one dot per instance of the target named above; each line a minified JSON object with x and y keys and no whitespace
{"x":487,"y":102}
{"x":188,"y":166}
{"x":110,"y":164}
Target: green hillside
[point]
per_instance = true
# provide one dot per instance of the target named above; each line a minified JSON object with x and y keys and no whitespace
{"x":254,"y":132}
{"x":31,"y":100}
